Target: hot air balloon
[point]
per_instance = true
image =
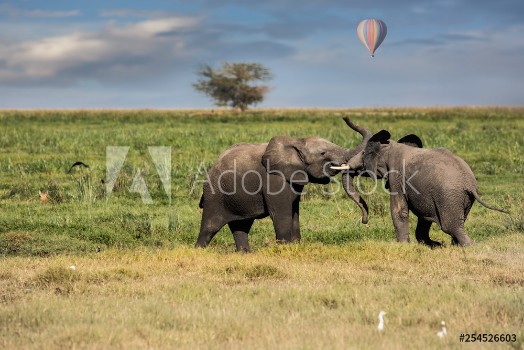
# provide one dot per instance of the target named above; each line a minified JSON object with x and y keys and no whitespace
{"x":372,"y":32}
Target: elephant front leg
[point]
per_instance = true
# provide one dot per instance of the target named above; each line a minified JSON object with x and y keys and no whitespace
{"x":295,"y":230}
{"x":400,"y":215}
{"x":283,"y":224}
{"x":282,"y":203}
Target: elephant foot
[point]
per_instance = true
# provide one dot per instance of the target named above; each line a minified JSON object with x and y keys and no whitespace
{"x":464,"y":243}
{"x":241,"y":242}
{"x":287,"y":241}
{"x":243,"y":250}
{"x":431,"y":243}
{"x":295,"y":239}
{"x":200,"y":244}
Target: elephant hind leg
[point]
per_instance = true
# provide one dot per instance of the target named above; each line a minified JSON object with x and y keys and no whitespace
{"x":240,"y":230}
{"x":422,"y":233}
{"x":457,"y":233}
{"x":208,"y":229}
{"x":462,"y":239}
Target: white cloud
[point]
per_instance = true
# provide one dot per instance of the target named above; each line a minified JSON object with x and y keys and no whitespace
{"x":154,"y":27}
{"x":120,"y":52}
{"x":129,"y":13}
{"x":112,"y":50}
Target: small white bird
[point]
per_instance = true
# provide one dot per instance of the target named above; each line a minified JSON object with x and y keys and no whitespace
{"x":380,"y":326}
{"x":72,"y":267}
{"x":443,"y":332}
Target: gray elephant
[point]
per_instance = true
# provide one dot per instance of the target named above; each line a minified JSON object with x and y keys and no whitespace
{"x":436,"y":185}
{"x":253,"y":181}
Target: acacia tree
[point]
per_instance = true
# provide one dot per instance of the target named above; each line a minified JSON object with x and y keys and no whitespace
{"x":231,"y":85}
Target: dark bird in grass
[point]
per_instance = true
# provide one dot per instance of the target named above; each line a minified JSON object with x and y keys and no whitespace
{"x":77,"y":164}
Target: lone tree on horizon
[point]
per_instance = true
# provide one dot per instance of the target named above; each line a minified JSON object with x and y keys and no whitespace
{"x":231,"y":85}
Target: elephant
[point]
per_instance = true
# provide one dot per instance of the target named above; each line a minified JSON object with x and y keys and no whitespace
{"x":434,"y":184}
{"x":253,"y":181}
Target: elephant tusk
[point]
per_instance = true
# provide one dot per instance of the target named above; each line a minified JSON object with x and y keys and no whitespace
{"x":342,"y":167}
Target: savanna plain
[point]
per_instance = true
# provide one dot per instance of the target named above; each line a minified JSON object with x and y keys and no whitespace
{"x":139,"y":283}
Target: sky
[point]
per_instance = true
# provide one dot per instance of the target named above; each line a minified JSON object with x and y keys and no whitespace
{"x":145,"y":54}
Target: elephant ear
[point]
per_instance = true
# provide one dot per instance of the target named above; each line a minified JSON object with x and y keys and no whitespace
{"x":411,"y":140}
{"x":285,"y":156}
{"x":372,"y":150}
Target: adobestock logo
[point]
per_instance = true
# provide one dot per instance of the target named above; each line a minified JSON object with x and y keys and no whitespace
{"x":115,"y":159}
{"x":232,"y":181}
{"x":251,"y":182}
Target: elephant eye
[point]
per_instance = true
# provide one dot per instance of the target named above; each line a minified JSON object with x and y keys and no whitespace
{"x":323,"y":153}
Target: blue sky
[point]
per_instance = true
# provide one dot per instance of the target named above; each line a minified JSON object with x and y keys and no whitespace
{"x":145,"y":54}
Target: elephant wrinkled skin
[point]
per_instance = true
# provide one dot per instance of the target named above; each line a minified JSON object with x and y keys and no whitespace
{"x":253,"y":181}
{"x":436,"y":185}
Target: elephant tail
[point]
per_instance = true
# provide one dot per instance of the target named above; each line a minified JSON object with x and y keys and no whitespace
{"x":201,"y":203}
{"x":477,"y":197}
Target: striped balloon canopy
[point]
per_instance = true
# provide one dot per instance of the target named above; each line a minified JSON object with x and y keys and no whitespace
{"x":372,"y":32}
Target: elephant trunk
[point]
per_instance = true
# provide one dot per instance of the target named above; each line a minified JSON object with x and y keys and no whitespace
{"x":347,"y":183}
{"x":348,"y":176}
{"x":366,"y":135}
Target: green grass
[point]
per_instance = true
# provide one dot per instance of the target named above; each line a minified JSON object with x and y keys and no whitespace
{"x":140,"y":284}
{"x":38,"y":147}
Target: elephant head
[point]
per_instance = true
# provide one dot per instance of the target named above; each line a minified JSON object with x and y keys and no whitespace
{"x":372,"y":156}
{"x":303,"y":160}
{"x":365,"y":160}
{"x":315,"y":160}
{"x":371,"y":160}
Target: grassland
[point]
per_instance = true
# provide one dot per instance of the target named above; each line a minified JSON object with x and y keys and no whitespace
{"x":139,"y":284}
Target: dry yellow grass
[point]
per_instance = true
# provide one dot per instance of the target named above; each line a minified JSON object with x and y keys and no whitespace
{"x":297,"y":296}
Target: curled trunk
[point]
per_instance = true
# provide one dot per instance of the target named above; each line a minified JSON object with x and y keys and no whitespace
{"x":348,"y":177}
{"x":347,"y":183}
{"x":366,"y":135}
